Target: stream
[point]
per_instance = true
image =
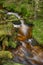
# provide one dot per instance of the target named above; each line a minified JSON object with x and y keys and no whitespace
{"x":28,"y":52}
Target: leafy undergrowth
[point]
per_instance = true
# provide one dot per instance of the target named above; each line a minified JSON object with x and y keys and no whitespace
{"x":38,"y":31}
{"x":6,"y":54}
{"x":12,"y":63}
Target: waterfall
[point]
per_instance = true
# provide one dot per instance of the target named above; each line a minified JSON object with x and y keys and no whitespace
{"x":24,"y":27}
{"x":16,"y":14}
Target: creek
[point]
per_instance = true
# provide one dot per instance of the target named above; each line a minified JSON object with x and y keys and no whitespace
{"x":28,"y":52}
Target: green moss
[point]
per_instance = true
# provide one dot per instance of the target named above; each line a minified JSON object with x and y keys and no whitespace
{"x":6,"y":55}
{"x":38,"y":31}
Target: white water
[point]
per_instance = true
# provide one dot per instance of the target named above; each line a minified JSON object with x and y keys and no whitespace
{"x":24,"y":28}
{"x":16,"y":14}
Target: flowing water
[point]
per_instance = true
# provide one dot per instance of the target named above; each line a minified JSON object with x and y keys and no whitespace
{"x":28,"y":52}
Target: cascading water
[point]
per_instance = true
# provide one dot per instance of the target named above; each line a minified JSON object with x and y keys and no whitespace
{"x":24,"y":27}
{"x":16,"y":14}
{"x":24,"y":55}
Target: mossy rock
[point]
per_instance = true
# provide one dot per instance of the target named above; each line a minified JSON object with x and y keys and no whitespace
{"x":6,"y":55}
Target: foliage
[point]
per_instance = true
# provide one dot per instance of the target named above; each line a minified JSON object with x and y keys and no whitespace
{"x":12,"y":63}
{"x":6,"y":55}
{"x":6,"y":28}
{"x":2,"y":1}
{"x":38,"y":31}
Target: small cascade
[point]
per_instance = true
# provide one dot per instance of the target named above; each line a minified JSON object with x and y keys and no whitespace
{"x":16,"y":14}
{"x":28,"y":52}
